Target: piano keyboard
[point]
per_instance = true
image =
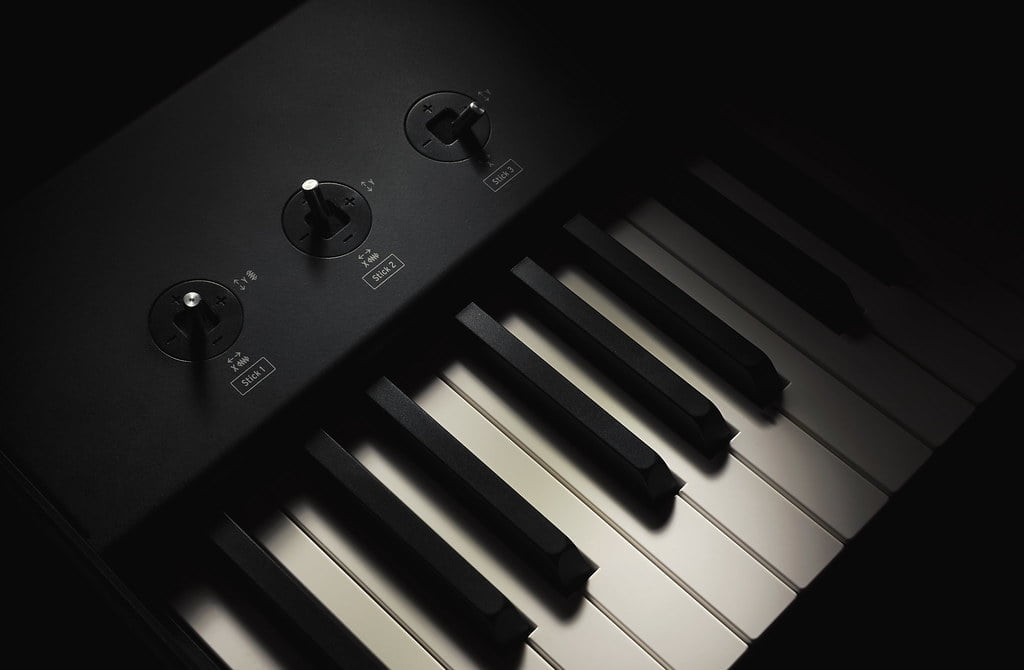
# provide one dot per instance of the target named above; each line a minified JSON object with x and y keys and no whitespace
{"x":628,"y":523}
{"x":649,"y":390}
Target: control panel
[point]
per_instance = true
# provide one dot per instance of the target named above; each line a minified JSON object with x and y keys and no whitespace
{"x":265,"y":227}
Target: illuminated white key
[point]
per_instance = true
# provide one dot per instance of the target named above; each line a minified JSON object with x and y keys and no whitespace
{"x":800,"y":466}
{"x":816,"y":400}
{"x":572,"y":636}
{"x":888,"y":379}
{"x":367,"y":621}
{"x":231,"y":628}
{"x":934,"y":340}
{"x":628,"y":585}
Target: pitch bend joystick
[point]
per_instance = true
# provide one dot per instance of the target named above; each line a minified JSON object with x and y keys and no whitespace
{"x":326,"y":219}
{"x":195,"y":320}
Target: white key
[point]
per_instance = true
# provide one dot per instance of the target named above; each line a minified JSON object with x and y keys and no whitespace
{"x":366,"y":620}
{"x":801,"y":467}
{"x":742,"y":503}
{"x":888,"y":379}
{"x":826,"y":408}
{"x":686,"y":544}
{"x":937,"y":342}
{"x":636,"y":593}
{"x":457,"y":648}
{"x":233,"y":630}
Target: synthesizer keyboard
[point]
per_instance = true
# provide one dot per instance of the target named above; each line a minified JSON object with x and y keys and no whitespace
{"x":456,"y":386}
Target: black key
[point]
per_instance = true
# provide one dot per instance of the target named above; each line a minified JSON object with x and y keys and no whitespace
{"x":630,"y":459}
{"x":707,"y":337}
{"x":798,"y":276}
{"x":677,"y":403}
{"x":310,"y":618}
{"x":808,"y":202}
{"x":484,"y":493}
{"x":482,"y":603}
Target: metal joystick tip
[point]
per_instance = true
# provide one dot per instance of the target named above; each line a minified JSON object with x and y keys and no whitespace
{"x":192,"y":299}
{"x":466,"y":118}
{"x":317,"y":203}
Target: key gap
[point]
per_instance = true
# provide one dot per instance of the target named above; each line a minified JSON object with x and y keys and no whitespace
{"x":629,"y":633}
{"x":739,"y":541}
{"x":537,"y":649}
{"x":787,"y":495}
{"x":838,"y":454}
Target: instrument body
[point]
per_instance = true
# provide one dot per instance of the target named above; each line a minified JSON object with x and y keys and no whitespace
{"x":128,"y":444}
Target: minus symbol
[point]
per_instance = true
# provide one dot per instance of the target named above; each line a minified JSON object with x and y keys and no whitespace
{"x":428,"y":141}
{"x":350,"y":236}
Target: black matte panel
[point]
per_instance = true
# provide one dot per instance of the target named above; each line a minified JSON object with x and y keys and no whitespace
{"x":483,"y":604}
{"x":711,"y":340}
{"x":625,"y":454}
{"x":291,"y":599}
{"x":798,"y":276}
{"x":661,"y":390}
{"x":811,"y":204}
{"x":485,"y":494}
{"x":112,"y":429}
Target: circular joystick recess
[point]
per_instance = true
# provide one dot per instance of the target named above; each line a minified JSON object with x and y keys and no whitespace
{"x":195,"y":320}
{"x":326,"y":219}
{"x":448,"y":127}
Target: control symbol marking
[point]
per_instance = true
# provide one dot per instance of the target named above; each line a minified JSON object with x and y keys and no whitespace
{"x":368,"y":257}
{"x":238,"y":361}
{"x":242,"y":283}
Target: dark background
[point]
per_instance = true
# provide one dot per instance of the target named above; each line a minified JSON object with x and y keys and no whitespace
{"x":927,"y":101}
